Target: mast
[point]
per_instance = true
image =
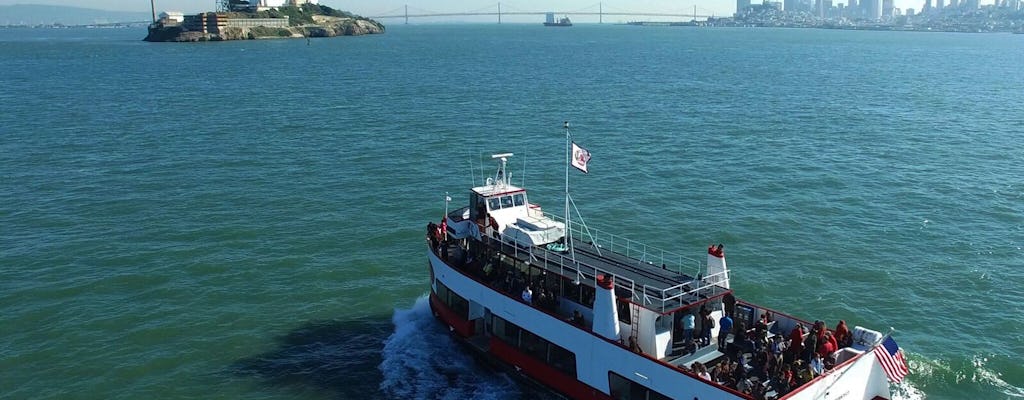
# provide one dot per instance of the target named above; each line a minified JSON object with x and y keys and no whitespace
{"x":568,"y":215}
{"x":152,"y":8}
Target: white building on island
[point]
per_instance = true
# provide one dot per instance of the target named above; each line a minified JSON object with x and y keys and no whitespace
{"x":174,"y":17}
{"x":267,"y":4}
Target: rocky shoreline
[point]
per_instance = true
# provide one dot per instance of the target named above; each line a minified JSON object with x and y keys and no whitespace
{"x":324,"y":26}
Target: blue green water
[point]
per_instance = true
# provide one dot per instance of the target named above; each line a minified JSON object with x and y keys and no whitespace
{"x":245,"y":219}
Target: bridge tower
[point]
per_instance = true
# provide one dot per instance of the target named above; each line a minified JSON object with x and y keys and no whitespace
{"x":407,"y":14}
{"x":600,"y":13}
{"x":499,"y":13}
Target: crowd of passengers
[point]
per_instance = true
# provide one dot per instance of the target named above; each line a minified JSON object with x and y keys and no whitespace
{"x":761,"y":363}
{"x":482,"y":263}
{"x":758,"y":362}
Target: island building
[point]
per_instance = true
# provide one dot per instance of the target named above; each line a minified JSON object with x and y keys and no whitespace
{"x":263,"y":5}
{"x":174,"y":17}
{"x":215,"y":22}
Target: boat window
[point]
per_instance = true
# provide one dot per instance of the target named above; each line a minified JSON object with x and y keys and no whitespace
{"x":629,"y":390}
{"x":533,"y":345}
{"x":625,"y":312}
{"x":519,"y":199}
{"x":493,"y":203}
{"x":506,"y":201}
{"x":458,"y":304}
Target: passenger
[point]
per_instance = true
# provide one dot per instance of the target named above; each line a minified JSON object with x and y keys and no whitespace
{"x":805,"y":375}
{"x":817,"y":365}
{"x":827,"y":346}
{"x":688,"y":324}
{"x":577,"y":318}
{"x":761,"y":328}
{"x":777,"y":348}
{"x":781,"y":382}
{"x":528,"y":295}
{"x":633,"y":346}
{"x":796,"y":343}
{"x":810,"y":346}
{"x":725,"y":326}
{"x":707,"y":324}
{"x":730,"y":304}
{"x":739,"y":330}
{"x":716,"y":373}
{"x":843,"y":337}
{"x":704,"y":372}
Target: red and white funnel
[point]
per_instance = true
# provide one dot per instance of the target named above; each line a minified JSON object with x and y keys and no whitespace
{"x":606,"y":314}
{"x":717,"y":273}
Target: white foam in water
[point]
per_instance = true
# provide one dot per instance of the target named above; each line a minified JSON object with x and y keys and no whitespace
{"x":422,"y":361}
{"x":905,"y":391}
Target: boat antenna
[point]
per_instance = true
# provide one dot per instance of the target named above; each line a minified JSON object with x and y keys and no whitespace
{"x":522,"y":181}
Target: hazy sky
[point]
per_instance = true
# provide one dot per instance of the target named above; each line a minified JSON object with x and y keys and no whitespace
{"x":377,"y":7}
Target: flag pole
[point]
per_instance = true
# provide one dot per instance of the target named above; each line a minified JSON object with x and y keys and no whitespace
{"x":444,"y":220}
{"x":568,"y":215}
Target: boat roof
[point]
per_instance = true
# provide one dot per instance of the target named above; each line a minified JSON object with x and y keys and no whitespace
{"x":653,"y":285}
{"x":492,"y":190}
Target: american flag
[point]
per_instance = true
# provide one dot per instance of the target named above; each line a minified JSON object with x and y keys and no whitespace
{"x":892,"y":360}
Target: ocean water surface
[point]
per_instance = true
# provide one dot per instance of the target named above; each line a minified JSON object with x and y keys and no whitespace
{"x":245,"y":219}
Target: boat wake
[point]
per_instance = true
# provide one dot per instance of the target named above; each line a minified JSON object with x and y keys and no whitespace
{"x":967,"y":375}
{"x":421,"y":361}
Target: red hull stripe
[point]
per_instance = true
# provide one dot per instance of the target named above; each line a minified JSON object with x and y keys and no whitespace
{"x":460,"y":325}
{"x":545,"y":374}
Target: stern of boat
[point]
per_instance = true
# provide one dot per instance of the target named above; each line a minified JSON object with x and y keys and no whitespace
{"x":859,"y":378}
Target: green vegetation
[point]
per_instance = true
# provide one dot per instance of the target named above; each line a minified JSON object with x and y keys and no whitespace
{"x":263,"y":31}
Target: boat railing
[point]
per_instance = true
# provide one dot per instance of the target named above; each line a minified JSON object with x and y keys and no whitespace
{"x":563,"y":264}
{"x":695,"y":288}
{"x":653,"y":256}
{"x":652,"y":297}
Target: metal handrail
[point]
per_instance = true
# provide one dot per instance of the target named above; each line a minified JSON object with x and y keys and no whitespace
{"x":647,"y":294}
{"x":630,"y":248}
{"x":563,"y":262}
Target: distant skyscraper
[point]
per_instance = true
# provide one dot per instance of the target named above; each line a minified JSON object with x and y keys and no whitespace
{"x":789,"y":6}
{"x":953,"y":4}
{"x":927,"y":6}
{"x":887,"y":9}
{"x":874,"y":9}
{"x":742,"y":5}
{"x":852,"y":11}
{"x":940,"y":4}
{"x":910,"y":12}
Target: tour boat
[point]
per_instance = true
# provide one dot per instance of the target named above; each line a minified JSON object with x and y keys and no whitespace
{"x":592,"y":315}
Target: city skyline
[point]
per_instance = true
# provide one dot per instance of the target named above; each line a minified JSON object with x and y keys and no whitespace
{"x":371,"y":7}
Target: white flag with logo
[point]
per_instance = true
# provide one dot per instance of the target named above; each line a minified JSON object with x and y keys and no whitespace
{"x":580,"y":156}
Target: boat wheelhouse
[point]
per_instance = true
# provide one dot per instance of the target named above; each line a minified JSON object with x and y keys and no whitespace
{"x":593,"y":315}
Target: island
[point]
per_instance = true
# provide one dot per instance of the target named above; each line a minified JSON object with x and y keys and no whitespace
{"x":259,"y":22}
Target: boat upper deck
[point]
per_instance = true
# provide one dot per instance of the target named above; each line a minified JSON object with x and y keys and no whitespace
{"x":652,"y":277}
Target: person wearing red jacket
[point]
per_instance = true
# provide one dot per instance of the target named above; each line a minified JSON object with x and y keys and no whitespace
{"x":796,"y":343}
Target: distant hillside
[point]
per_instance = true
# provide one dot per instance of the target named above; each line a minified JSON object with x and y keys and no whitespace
{"x":32,"y":14}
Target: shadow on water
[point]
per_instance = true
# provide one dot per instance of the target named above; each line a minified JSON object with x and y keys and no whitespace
{"x":339,"y":357}
{"x":410,"y":356}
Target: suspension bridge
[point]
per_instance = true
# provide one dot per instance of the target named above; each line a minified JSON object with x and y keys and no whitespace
{"x":500,"y":10}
